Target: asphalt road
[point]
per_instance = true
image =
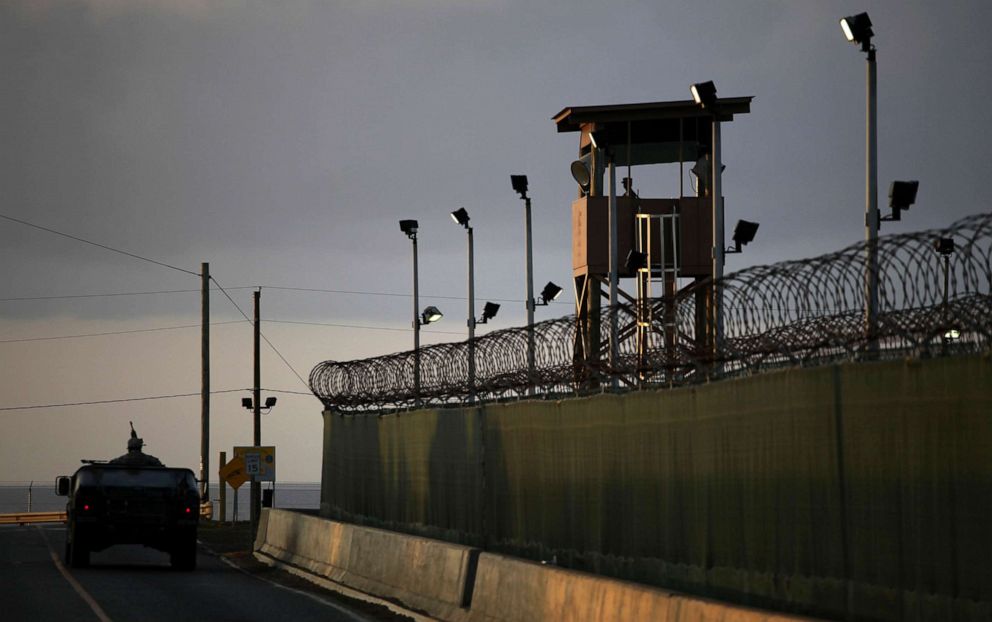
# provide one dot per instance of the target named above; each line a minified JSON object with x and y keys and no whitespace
{"x":136,"y":583}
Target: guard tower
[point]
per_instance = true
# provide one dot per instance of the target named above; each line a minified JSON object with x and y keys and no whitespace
{"x":661,"y":243}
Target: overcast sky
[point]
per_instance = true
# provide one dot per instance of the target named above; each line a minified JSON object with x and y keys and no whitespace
{"x":281,"y":142}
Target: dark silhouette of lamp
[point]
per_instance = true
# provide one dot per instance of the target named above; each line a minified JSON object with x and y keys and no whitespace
{"x":743,"y":234}
{"x":489,"y":311}
{"x":549,"y":293}
{"x":704,"y":93}
{"x":460,"y":216}
{"x":902,"y":194}
{"x":409,"y":227}
{"x":519,"y":185}
{"x":246,"y":402}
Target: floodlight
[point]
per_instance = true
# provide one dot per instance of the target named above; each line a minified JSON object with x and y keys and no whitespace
{"x":580,"y":172}
{"x":270,"y":402}
{"x":460,"y":216}
{"x":635,"y":261}
{"x":952,"y":335}
{"x":246,"y":403}
{"x":944,"y":246}
{"x":430,"y":315}
{"x":409,"y":227}
{"x":489,"y":311}
{"x":902,"y":194}
{"x":550,"y":293}
{"x":857,"y":29}
{"x":743,"y":234}
{"x":598,"y":139}
{"x":519,"y":185}
{"x":704,"y":93}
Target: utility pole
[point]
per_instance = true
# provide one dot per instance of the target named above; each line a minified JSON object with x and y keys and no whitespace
{"x":205,"y":383}
{"x":257,"y":412}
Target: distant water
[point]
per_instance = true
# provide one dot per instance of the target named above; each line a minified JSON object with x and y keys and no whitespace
{"x":41,"y":497}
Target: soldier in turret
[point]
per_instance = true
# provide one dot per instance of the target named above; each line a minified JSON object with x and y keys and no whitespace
{"x":134,"y":455}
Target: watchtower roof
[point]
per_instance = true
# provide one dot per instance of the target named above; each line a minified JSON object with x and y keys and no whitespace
{"x":651,"y":132}
{"x":572,"y":118}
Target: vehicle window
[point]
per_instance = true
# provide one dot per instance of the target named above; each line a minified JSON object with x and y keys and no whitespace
{"x":129,"y":478}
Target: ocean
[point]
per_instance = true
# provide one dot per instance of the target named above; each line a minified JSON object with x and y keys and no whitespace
{"x":41,"y":497}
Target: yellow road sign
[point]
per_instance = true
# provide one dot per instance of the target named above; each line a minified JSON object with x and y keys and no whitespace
{"x":260,"y":462}
{"x":234,"y":472}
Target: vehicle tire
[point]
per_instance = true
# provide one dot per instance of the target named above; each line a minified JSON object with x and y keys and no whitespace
{"x":78,"y":552}
{"x":183,"y":554}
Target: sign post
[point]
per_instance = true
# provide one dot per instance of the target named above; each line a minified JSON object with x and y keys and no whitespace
{"x":259,"y":466}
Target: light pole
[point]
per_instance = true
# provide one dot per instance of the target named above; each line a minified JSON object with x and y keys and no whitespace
{"x":857,"y":29}
{"x":255,"y":405}
{"x":520,"y":186}
{"x":460,"y":216}
{"x":409,"y":227}
{"x":945,"y":248}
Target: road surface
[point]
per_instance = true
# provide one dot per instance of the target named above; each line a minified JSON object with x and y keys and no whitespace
{"x":136,"y":583}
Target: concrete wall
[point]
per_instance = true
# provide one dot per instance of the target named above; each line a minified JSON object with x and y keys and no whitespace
{"x":859,"y":488}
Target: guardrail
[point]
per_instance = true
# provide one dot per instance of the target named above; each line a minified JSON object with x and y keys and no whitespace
{"x":28,"y":518}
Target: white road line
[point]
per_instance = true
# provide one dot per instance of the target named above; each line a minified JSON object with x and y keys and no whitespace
{"x":89,"y":600}
{"x":351,"y":615}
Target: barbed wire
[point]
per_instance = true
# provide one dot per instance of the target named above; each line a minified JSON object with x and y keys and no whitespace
{"x":794,"y":313}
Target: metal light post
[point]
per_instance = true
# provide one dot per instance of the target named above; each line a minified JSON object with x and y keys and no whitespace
{"x":460,"y":216}
{"x":520,"y":185}
{"x":857,"y":29}
{"x":945,"y":248}
{"x":409,"y":227}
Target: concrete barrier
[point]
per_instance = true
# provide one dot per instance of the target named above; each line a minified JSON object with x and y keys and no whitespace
{"x":513,"y":590}
{"x":460,"y":584}
{"x":423,"y":575}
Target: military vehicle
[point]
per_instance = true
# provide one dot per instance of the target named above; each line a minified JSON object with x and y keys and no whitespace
{"x":133,"y":499}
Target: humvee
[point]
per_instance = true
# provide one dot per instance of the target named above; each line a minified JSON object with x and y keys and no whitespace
{"x":133,"y":499}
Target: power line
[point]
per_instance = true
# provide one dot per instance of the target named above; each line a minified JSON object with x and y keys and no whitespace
{"x":117,"y":401}
{"x":310,"y":393}
{"x":294,"y":289}
{"x":405,"y":330}
{"x":262,"y":335}
{"x":398,"y":295}
{"x":103,"y":246}
{"x":110,"y":294}
{"x":116,"y":332}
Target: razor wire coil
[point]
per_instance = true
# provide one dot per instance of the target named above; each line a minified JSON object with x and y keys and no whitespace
{"x":793,"y":313}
